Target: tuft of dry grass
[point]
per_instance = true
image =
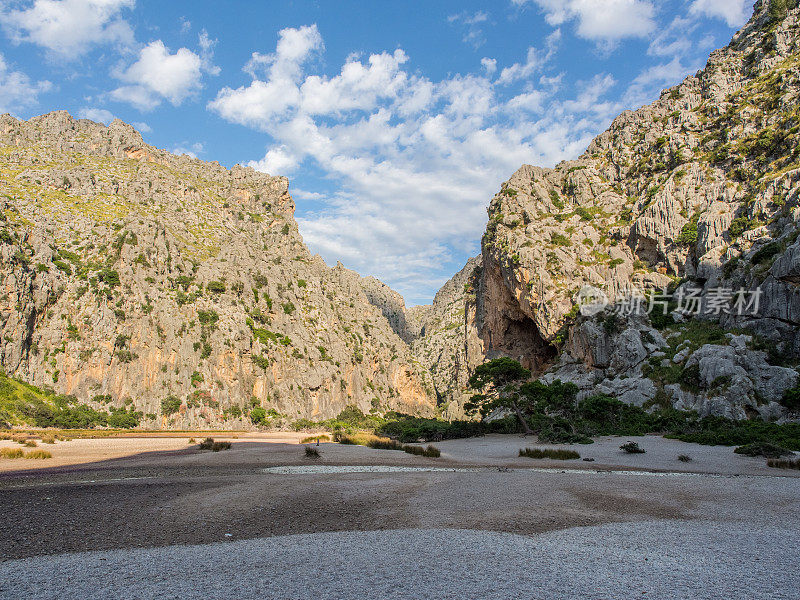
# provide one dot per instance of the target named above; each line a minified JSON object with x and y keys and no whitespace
{"x":684,"y":458}
{"x":356,"y":439}
{"x":315,"y":438}
{"x":553,"y":453}
{"x":48,"y":439}
{"x":38,"y":454}
{"x":11,"y":453}
{"x":385,"y":444}
{"x":312,"y":452}
{"x":30,"y":443}
{"x":192,"y":441}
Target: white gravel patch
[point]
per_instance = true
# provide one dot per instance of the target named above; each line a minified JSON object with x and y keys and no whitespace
{"x":654,"y":559}
{"x":328,"y":469}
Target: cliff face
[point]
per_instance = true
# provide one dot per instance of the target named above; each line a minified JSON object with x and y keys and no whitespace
{"x":130,"y":272}
{"x":697,"y":190}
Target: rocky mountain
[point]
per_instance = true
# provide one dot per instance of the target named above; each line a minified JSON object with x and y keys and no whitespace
{"x":695,"y":195}
{"x":133,"y":276}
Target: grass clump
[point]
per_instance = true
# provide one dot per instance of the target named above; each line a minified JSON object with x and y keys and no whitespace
{"x":632,"y":448}
{"x":210,"y":444}
{"x":358,"y":438}
{"x":385,"y":444}
{"x":315,"y":438}
{"x":48,"y":439}
{"x":553,"y":453}
{"x":312,"y":452}
{"x":429,"y":451}
{"x":762,"y":449}
{"x":684,"y":458}
{"x":30,"y":443}
{"x":783,"y":463}
{"x":11,"y":453}
{"x":38,"y":454}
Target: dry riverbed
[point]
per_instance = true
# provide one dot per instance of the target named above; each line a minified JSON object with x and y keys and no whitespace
{"x":164,"y":494}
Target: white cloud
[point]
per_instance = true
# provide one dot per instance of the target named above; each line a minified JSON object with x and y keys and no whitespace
{"x":734,"y":12}
{"x":603,"y":21}
{"x":16,"y":88}
{"x":262,"y":100}
{"x":101,"y":115}
{"x":489,"y":65}
{"x":649,"y":82}
{"x":471,"y":22}
{"x":277,"y":161}
{"x":534,"y":60}
{"x":70,"y":28}
{"x":412,"y":161}
{"x":191,"y":150}
{"x":142,"y":127}
{"x":158,"y":75}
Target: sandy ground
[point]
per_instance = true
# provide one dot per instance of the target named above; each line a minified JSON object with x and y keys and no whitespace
{"x":81,"y":451}
{"x":489,"y":451}
{"x":149,"y":493}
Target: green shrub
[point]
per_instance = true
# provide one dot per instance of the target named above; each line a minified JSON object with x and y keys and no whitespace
{"x":765,"y":449}
{"x":688,"y":234}
{"x":428,"y":451}
{"x":215,"y":287}
{"x":791,"y":398}
{"x":210,"y":444}
{"x":555,"y":454}
{"x":109,"y":276}
{"x":258,"y":416}
{"x":632,"y":448}
{"x":730,"y":266}
{"x":208,"y":317}
{"x":766,"y":253}
{"x":170,"y":405}
{"x":261,"y":361}
{"x":741,"y":224}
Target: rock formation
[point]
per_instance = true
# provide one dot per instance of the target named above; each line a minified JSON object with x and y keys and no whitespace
{"x":129,"y":273}
{"x":697,"y":190}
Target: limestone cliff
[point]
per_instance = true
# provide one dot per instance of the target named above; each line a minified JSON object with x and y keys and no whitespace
{"x":130,"y":273}
{"x":699,"y":189}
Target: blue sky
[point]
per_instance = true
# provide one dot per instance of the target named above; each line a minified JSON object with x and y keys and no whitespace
{"x":395,"y":122}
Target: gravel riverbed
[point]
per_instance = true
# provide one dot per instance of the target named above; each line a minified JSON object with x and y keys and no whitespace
{"x":648,"y":559}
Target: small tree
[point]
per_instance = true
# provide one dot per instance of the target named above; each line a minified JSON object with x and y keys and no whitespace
{"x":498,"y":382}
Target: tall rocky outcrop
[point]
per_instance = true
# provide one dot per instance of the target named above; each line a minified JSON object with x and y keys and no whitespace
{"x":700,"y":189}
{"x":131,"y":274}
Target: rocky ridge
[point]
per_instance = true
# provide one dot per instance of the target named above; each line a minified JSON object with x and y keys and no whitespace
{"x":130,"y":275}
{"x":696,"y":190}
